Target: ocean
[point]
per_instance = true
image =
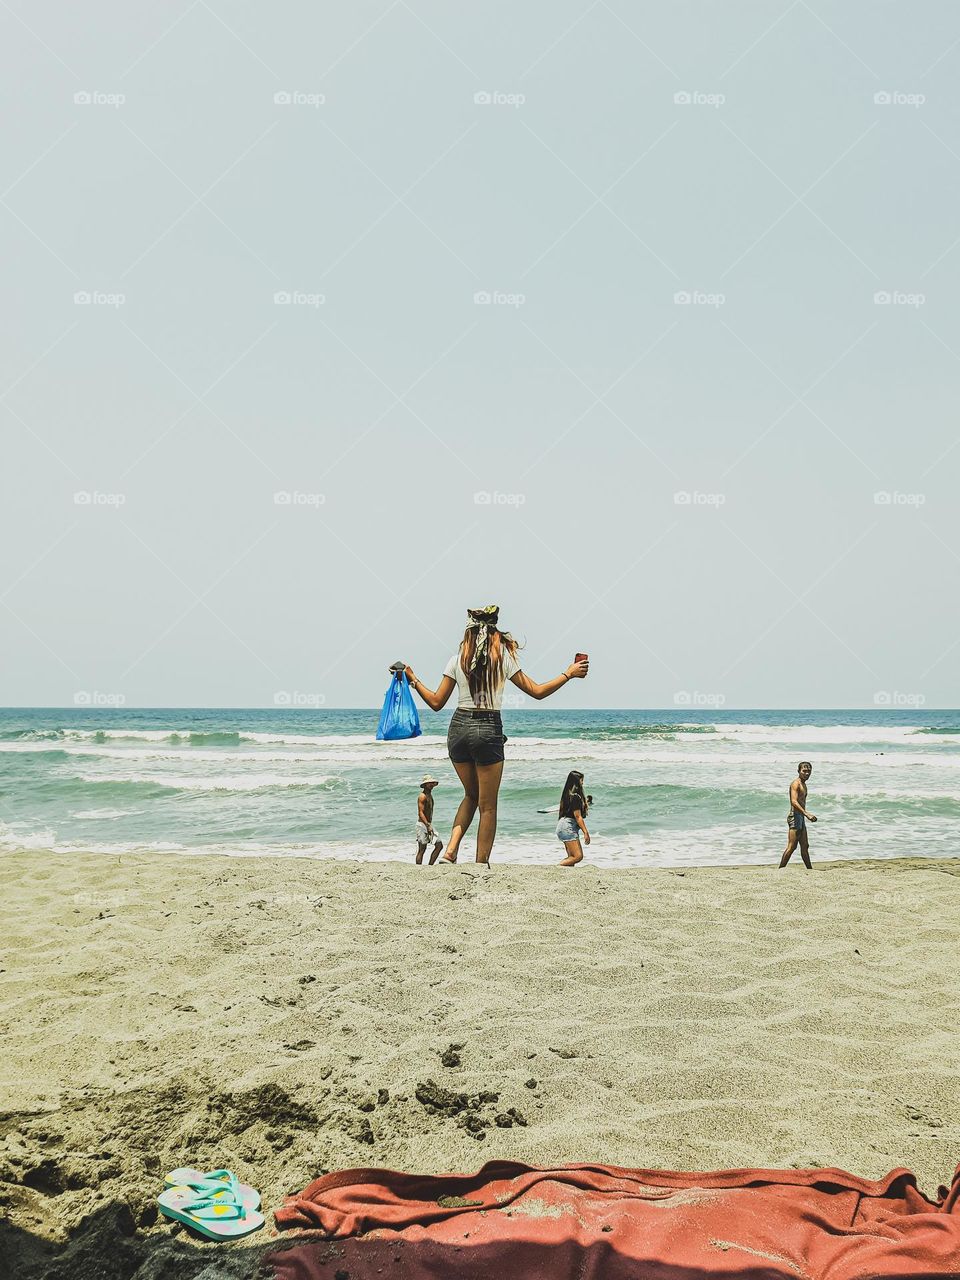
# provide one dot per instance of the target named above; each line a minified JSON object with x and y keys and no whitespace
{"x":695,"y":788}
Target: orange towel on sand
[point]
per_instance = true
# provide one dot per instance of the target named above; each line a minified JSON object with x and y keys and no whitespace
{"x":594,"y":1222}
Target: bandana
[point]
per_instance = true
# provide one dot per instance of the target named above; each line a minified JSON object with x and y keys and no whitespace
{"x":483,"y":621}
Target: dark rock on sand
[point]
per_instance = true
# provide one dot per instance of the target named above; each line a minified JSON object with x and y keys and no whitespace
{"x":434,"y":1095}
{"x":268,"y":1103}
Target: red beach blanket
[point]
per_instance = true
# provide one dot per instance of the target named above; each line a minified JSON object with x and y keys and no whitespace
{"x":594,"y":1222}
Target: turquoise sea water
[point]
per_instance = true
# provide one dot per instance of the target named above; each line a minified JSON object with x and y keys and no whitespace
{"x":687,"y":788}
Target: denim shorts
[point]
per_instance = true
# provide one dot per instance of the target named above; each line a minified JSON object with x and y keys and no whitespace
{"x":475,"y":739}
{"x":567,"y":829}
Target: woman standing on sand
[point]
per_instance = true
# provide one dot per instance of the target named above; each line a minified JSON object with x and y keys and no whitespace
{"x":573,"y":812}
{"x":485,"y":661}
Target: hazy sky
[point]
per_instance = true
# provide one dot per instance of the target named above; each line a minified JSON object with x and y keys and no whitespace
{"x":778,"y":164}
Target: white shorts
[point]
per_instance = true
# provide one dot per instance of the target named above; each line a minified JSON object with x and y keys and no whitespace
{"x":424,"y":835}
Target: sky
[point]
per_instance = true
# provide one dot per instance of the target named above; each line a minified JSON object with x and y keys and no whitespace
{"x":322,"y":323}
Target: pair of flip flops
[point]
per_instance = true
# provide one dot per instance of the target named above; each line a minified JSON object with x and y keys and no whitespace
{"x":214,"y":1203}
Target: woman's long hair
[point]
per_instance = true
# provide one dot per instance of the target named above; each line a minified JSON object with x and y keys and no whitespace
{"x":572,"y":796}
{"x":486,"y":678}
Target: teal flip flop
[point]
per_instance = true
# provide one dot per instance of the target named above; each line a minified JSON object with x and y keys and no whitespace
{"x":218,"y":1217}
{"x":212,"y":1183}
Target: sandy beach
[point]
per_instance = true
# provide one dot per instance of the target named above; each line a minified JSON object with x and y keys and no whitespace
{"x":288,"y":1017}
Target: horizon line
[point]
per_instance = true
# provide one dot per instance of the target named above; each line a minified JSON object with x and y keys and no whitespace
{"x":100,"y":710}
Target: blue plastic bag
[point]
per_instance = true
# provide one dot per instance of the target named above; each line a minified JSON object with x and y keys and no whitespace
{"x":399,"y":717}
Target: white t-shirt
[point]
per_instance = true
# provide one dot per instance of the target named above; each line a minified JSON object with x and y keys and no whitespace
{"x":508,"y":667}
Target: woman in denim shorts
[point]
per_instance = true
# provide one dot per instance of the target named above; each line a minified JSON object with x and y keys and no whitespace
{"x":573,"y":812}
{"x":484,"y":662}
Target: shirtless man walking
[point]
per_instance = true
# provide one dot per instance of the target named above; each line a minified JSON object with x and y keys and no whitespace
{"x":798,"y":817}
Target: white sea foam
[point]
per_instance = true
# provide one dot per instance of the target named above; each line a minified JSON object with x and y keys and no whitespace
{"x":768,"y":732}
{"x":225,"y":782}
{"x":104,"y":814}
{"x":749,"y":844}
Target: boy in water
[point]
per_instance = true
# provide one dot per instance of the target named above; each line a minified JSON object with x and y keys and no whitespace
{"x":425,"y":831}
{"x":798,"y":817}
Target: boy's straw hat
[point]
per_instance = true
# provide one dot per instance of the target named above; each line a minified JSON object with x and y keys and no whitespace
{"x":427,"y":778}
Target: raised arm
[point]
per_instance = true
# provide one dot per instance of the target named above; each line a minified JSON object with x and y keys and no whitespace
{"x":575,"y":671}
{"x":434,"y":700}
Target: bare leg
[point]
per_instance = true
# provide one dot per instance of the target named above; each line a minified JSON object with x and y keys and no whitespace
{"x":436,"y":849}
{"x":467,"y":773}
{"x":791,"y":845}
{"x":574,"y":853}
{"x":805,"y":849}
{"x":421,"y":849}
{"x":488,"y":778}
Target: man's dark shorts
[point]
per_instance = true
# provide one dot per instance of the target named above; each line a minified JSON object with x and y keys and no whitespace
{"x":475,"y":738}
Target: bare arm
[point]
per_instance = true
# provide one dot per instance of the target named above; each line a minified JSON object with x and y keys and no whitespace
{"x":576,"y":671}
{"x":422,"y":810}
{"x":578,"y":819}
{"x":434,"y":700}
